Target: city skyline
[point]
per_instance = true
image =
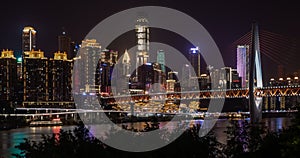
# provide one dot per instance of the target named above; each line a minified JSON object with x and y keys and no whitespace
{"x":280,"y":68}
{"x":224,"y":28}
{"x":161,"y":78}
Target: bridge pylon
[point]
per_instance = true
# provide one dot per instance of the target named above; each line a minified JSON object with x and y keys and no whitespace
{"x":255,"y":78}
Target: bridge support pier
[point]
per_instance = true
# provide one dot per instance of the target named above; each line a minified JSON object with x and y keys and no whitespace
{"x":256,"y":110}
{"x":282,"y":103}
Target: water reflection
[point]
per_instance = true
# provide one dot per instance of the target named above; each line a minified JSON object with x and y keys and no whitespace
{"x":10,"y":138}
{"x":277,"y":124}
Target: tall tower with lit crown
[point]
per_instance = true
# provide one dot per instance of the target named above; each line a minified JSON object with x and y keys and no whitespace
{"x":195,"y":60}
{"x":28,"y":39}
{"x":28,"y":45}
{"x":125,"y":68}
{"x":126,"y":64}
{"x":142,"y":34}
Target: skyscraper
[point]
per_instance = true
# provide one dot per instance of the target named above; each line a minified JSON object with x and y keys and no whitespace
{"x":124,"y":72}
{"x":8,"y":78}
{"x":28,"y":45}
{"x":108,"y":60}
{"x":225,"y":78}
{"x":28,"y":39}
{"x":86,"y":74}
{"x":19,"y":68}
{"x":243,"y":67}
{"x":142,"y":34}
{"x":195,"y":61}
{"x":60,"y":78}
{"x":146,"y":78}
{"x":64,"y":44}
{"x":19,"y":88}
{"x":161,"y":60}
{"x":171,"y":82}
{"x":89,"y":57}
{"x":185,"y":77}
{"x":109,"y":56}
{"x":126,"y":64}
{"x":35,"y":76}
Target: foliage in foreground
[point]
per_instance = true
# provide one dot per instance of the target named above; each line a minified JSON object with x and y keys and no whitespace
{"x":79,"y":143}
{"x":243,"y":140}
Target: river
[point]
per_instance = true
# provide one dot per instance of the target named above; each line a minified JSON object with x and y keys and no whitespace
{"x":10,"y":138}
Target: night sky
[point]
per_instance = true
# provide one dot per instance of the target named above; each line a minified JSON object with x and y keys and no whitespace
{"x":226,"y":21}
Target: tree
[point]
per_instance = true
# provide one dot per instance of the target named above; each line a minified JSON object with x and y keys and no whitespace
{"x":65,"y":144}
{"x":79,"y":143}
{"x":289,"y":139}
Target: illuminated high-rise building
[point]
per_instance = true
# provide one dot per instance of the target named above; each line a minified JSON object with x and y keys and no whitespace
{"x":19,"y":88}
{"x":19,"y":68}
{"x":123,"y":70}
{"x":195,"y":61}
{"x":60,"y":78}
{"x":185,"y":77}
{"x":8,"y":78}
{"x":126,"y":64}
{"x":142,"y":34}
{"x":145,"y":77}
{"x":108,"y":60}
{"x":86,"y":66}
{"x":161,"y":60}
{"x":28,"y":45}
{"x":171,"y":81}
{"x":109,"y":56}
{"x":224,"y":78}
{"x":28,"y":39}
{"x":35,"y":77}
{"x":64,"y":44}
{"x":243,"y":64}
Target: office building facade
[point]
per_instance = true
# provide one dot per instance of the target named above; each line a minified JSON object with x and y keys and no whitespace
{"x":243,"y":64}
{"x":8,"y":79}
{"x":60,"y":79}
{"x":64,"y":44}
{"x":142,"y":34}
{"x":35,"y":78}
{"x":195,"y":59}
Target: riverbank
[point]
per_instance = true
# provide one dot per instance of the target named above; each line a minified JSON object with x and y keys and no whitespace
{"x":10,"y":122}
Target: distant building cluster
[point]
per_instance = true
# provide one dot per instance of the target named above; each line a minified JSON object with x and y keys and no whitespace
{"x":281,"y":103}
{"x":288,"y":81}
{"x":90,"y":70}
{"x":37,"y":81}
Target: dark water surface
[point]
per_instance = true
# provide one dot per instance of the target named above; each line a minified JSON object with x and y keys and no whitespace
{"x":10,"y":138}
